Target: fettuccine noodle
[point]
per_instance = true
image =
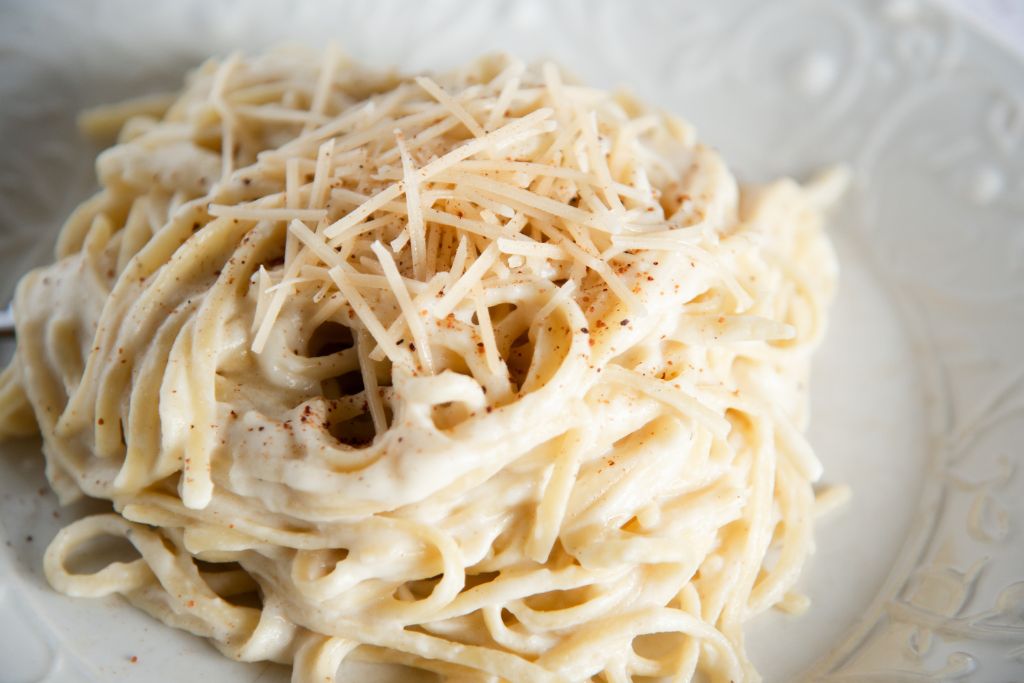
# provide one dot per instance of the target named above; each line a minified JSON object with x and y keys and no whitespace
{"x":489,"y":373}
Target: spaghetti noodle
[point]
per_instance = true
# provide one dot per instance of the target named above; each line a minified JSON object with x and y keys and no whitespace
{"x":490,"y":374}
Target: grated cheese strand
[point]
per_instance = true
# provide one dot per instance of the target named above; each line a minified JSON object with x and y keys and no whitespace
{"x":370,"y":388}
{"x":414,"y":223}
{"x":469,"y":279}
{"x":366,"y":315}
{"x":321,"y":176}
{"x":457,"y":110}
{"x":323,"y":84}
{"x":409,"y":313}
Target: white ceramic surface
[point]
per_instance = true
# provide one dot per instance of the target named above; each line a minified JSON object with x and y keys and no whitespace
{"x":918,"y":394}
{"x":1002,"y":19}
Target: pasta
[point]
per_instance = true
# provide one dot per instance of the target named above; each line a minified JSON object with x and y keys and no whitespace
{"x":490,"y":374}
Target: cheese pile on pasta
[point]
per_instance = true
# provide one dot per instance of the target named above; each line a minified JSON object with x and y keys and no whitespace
{"x":485,"y":373}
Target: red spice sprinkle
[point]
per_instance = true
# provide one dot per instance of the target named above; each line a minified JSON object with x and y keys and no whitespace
{"x":133,"y":659}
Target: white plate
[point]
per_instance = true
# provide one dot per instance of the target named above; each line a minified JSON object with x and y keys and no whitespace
{"x":918,"y":392}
